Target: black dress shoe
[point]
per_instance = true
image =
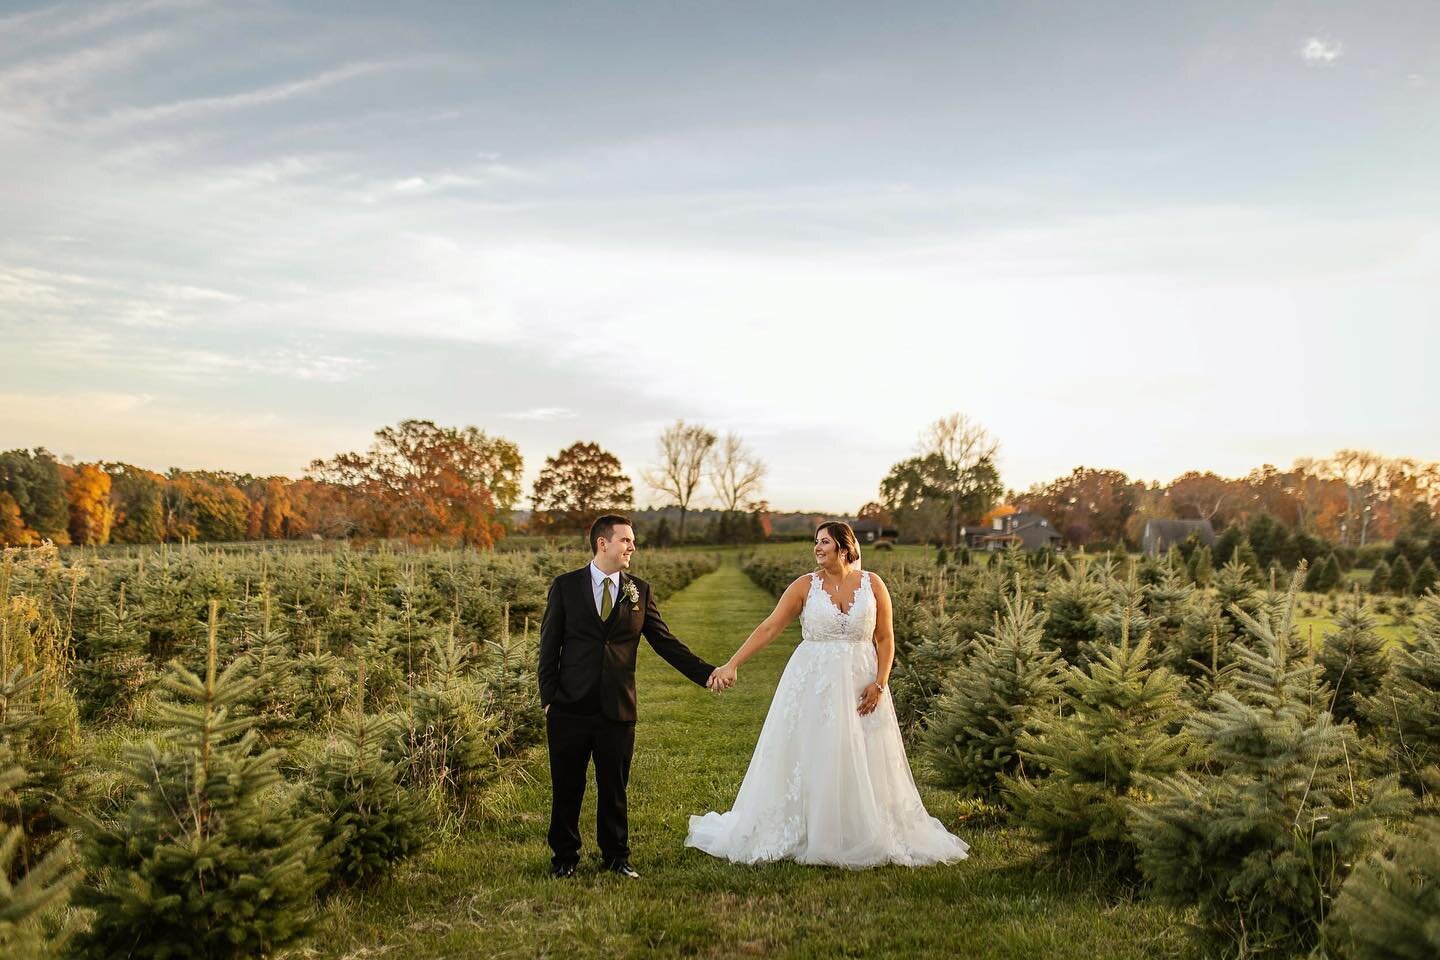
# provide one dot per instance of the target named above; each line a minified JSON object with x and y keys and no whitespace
{"x":562,"y":870}
{"x":623,"y":869}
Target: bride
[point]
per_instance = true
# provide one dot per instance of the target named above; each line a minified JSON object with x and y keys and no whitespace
{"x":828,"y":782}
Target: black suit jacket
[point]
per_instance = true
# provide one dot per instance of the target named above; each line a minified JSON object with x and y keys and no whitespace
{"x":587,"y":663}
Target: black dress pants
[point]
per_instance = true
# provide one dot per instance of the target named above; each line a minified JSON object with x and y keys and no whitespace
{"x":573,"y":740}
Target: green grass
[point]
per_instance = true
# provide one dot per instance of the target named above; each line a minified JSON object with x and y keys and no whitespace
{"x":487,"y":893}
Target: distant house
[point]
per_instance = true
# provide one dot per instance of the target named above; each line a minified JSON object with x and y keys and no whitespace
{"x":868,"y":531}
{"x":1161,"y":535}
{"x":1029,"y":531}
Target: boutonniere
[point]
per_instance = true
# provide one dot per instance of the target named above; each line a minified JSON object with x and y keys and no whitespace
{"x":631,"y":593}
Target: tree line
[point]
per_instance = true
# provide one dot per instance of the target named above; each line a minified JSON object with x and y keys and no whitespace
{"x":416,"y":481}
{"x":1351,"y":499}
{"x":420,"y":481}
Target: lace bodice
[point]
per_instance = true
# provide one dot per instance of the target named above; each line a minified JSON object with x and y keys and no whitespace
{"x":822,"y":621}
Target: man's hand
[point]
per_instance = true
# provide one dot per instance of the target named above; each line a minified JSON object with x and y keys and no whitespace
{"x":723,"y":678}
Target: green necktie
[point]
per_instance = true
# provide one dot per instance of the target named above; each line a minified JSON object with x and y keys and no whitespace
{"x":606,"y":603}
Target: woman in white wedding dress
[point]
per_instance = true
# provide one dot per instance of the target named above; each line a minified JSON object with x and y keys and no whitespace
{"x":828,"y":782}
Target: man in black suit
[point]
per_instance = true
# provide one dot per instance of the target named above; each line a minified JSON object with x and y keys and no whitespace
{"x":594,"y":618}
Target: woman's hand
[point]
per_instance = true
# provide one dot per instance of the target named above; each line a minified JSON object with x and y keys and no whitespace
{"x":870,"y":698}
{"x":723,"y":678}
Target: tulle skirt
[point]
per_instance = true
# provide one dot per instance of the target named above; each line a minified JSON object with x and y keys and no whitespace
{"x":826,"y":785}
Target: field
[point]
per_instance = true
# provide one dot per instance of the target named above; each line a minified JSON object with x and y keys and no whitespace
{"x":438,"y":646}
{"x":487,"y":893}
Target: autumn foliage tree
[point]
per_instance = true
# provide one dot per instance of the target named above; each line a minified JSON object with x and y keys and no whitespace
{"x":34,"y":482}
{"x":92,"y":513}
{"x":1088,"y":504}
{"x":201,"y":505}
{"x":13,"y":532}
{"x":138,"y":496}
{"x":421,"y":481}
{"x":577,"y":484}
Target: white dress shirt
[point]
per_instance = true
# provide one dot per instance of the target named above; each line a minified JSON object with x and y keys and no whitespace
{"x":597,"y":584}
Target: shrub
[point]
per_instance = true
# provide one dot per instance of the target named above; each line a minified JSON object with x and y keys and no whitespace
{"x":1260,"y":840}
{"x":206,"y":861}
{"x":1090,"y":758}
{"x":996,"y":694}
{"x":1388,"y":907}
{"x":1353,"y":660}
{"x":1406,"y":709}
{"x":368,"y":819}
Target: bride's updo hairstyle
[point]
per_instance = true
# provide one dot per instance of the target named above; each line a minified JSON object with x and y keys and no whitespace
{"x":844,"y":538}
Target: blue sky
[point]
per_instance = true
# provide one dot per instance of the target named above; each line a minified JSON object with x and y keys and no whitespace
{"x":1146,"y":236}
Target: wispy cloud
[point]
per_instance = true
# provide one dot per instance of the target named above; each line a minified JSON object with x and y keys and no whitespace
{"x":486,"y":174}
{"x":64,"y":72}
{"x":275,"y":93}
{"x":1318,"y":50}
{"x":188,"y":293}
{"x":63,"y":20}
{"x":542,"y":414}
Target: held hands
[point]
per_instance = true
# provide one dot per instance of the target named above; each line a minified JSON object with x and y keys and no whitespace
{"x":870,"y":699}
{"x":723,"y":678}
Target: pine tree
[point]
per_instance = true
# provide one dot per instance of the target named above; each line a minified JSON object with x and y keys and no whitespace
{"x":206,"y":861}
{"x":1334,"y":575}
{"x":509,"y":679}
{"x":921,"y":670}
{"x":1260,"y":840}
{"x":1245,"y":556}
{"x":1402,"y":575}
{"x":1202,"y":566}
{"x":1324,"y":576}
{"x":272,"y":698}
{"x":448,"y":737}
{"x":1388,"y":907}
{"x":1200,"y":650}
{"x":115,"y":673}
{"x":1127,"y":605}
{"x":1115,"y":730}
{"x":1380,"y":579}
{"x":1170,"y":603}
{"x":367,"y":818}
{"x":1406,"y":710}
{"x":997,"y":693}
{"x":1425,"y":576}
{"x":27,"y":893}
{"x":1073,"y":606}
{"x":1353,"y":660}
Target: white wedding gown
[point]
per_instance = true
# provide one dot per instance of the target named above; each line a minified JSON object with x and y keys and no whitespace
{"x":826,"y":785}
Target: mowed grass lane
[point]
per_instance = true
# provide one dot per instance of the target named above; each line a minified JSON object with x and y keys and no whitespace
{"x":488,"y":893}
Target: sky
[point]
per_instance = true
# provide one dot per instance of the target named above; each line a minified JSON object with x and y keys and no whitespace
{"x":1149,"y":237}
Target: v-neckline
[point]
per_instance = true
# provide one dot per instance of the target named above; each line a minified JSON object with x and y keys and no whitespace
{"x":854,"y":597}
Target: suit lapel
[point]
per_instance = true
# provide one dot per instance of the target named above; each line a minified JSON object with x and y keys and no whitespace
{"x":588,"y":585}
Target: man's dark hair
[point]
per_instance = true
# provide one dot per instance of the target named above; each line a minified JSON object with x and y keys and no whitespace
{"x":604,"y":527}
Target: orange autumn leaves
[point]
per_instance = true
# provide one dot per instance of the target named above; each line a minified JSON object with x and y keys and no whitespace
{"x":417,"y":481}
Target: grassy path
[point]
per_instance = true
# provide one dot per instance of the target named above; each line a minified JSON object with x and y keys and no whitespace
{"x":488,"y":895}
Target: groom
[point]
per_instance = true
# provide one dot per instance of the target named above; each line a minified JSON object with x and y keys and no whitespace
{"x":588,"y":640}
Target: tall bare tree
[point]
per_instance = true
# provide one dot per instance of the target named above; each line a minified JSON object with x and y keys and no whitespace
{"x":964,"y":446}
{"x":683,"y":451}
{"x":736,"y":473}
{"x":1363,"y":472}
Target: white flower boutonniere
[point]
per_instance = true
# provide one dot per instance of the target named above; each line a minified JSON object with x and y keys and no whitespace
{"x":632,"y":593}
